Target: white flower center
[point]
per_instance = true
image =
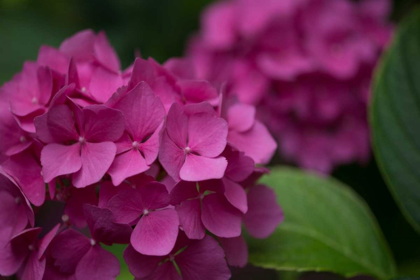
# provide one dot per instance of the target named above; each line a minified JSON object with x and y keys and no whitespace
{"x":34,"y":100}
{"x":92,"y":242}
{"x":22,"y":139}
{"x":187,"y":150}
{"x":82,"y":140}
{"x":83,"y":89}
{"x":136,"y":145}
{"x":145,"y":212}
{"x":65,"y":218}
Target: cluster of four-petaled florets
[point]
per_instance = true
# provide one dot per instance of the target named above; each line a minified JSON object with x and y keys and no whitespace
{"x":150,"y":156}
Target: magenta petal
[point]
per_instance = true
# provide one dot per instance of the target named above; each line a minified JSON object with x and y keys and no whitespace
{"x":103,"y":123}
{"x":236,"y":250}
{"x":98,"y":264}
{"x":103,"y":228}
{"x":45,"y":242}
{"x":177,"y":125}
{"x":72,"y":75}
{"x":257,"y":143}
{"x":53,"y":58}
{"x":171,"y":156}
{"x":60,"y":123}
{"x":156,"y":233}
{"x":59,"y":160}
{"x":96,"y":160}
{"x":239,"y":166}
{"x":165,"y":271}
{"x":189,"y":213}
{"x":103,"y":84}
{"x":80,"y":45}
{"x":11,"y":224}
{"x":197,"y":91}
{"x":198,"y":168}
{"x":236,"y":195}
{"x":215,"y":206}
{"x":108,"y":191}
{"x":182,"y":191}
{"x":142,"y":71}
{"x":68,"y":248}
{"x":150,"y":148}
{"x":143,"y":111}
{"x":45,"y":84}
{"x":207,"y":134}
{"x":74,"y":205}
{"x":126,"y":165}
{"x":105,"y":53}
{"x":203,"y":260}
{"x":264,"y":214}
{"x":140,"y":265}
{"x":241,"y":117}
{"x":33,"y":268}
{"x":14,"y":253}
{"x":182,"y":68}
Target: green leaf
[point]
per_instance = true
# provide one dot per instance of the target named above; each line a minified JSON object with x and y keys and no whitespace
{"x":395,"y":118}
{"x":327,"y":227}
{"x":118,"y":250}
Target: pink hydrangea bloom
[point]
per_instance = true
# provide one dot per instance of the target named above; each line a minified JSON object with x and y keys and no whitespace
{"x":151,"y":157}
{"x":306,"y":66}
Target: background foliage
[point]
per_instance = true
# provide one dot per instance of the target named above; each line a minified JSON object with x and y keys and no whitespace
{"x":160,"y":28}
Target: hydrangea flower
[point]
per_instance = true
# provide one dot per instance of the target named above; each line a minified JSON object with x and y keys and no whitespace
{"x":151,"y":157}
{"x":306,"y":66}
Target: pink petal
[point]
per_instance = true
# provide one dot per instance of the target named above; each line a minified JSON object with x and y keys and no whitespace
{"x":98,"y":264}
{"x":156,"y":233}
{"x":150,"y":148}
{"x":236,"y":195}
{"x":198,"y":168}
{"x":80,"y":45}
{"x":165,"y":271}
{"x":203,"y":260}
{"x":45,"y":242}
{"x":102,"y":123}
{"x":171,"y":156}
{"x":45,"y":84}
{"x":11,"y":224}
{"x":60,"y":124}
{"x":207,"y":134}
{"x":182,"y":191}
{"x":236,"y":250}
{"x":108,"y":191}
{"x":33,"y":268}
{"x":182,"y":68}
{"x":140,"y":265}
{"x":103,"y":84}
{"x":74,"y":205}
{"x":239,"y":166}
{"x":264,"y":214}
{"x":68,"y":248}
{"x":167,"y":93}
{"x":241,"y":117}
{"x":257,"y":143}
{"x":284,"y":66}
{"x":105,"y":53}
{"x":124,"y":143}
{"x":96,"y":160}
{"x":59,"y":160}
{"x":72,"y":75}
{"x":142,"y":71}
{"x":197,"y":91}
{"x":103,"y":228}
{"x":143,"y":111}
{"x":16,"y":251}
{"x":53,"y":58}
{"x":126,"y":165}
{"x":215,"y":206}
{"x":189,"y":213}
{"x":177,"y":125}
{"x":13,"y":139}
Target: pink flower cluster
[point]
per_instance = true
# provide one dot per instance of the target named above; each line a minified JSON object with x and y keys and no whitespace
{"x":151,"y":157}
{"x":305,"y":64}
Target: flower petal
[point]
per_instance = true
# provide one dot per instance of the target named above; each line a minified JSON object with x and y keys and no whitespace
{"x":264,"y":214}
{"x":236,"y":250}
{"x":103,"y":84}
{"x":45,"y":242}
{"x":126,"y":165}
{"x":33,"y":268}
{"x":103,"y":123}
{"x":241,"y":117}
{"x":177,"y":125}
{"x":105,"y":53}
{"x":96,"y":160}
{"x":236,"y":195}
{"x":189,"y":213}
{"x":215,"y":206}
{"x":171,"y":156}
{"x":108,"y":191}
{"x":182,"y":191}
{"x":140,"y":265}
{"x":79,"y":46}
{"x":156,"y":233}
{"x":59,"y":160}
{"x":239,"y":166}
{"x":98,"y":264}
{"x":197,"y":91}
{"x":198,"y":168}
{"x":60,"y":124}
{"x":74,"y":205}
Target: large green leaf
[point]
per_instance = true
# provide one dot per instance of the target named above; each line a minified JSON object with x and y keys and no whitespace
{"x":395,"y":118}
{"x":327,"y":227}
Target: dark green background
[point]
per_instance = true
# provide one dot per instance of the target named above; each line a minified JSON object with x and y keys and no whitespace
{"x":161,"y":28}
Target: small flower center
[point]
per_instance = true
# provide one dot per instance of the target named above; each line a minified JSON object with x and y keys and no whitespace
{"x":187,"y":150}
{"x":17,"y":200}
{"x":22,"y":139}
{"x":82,"y":140}
{"x":31,"y":247}
{"x":92,"y":242}
{"x":65,"y":218}
{"x":136,"y":145}
{"x":145,"y":212}
{"x":83,"y":89}
{"x":34,"y":100}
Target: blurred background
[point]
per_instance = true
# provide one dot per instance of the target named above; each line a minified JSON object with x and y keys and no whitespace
{"x":160,"y":29}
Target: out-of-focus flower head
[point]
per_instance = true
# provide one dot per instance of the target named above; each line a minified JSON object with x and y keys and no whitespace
{"x":150,"y":157}
{"x":306,"y":65}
